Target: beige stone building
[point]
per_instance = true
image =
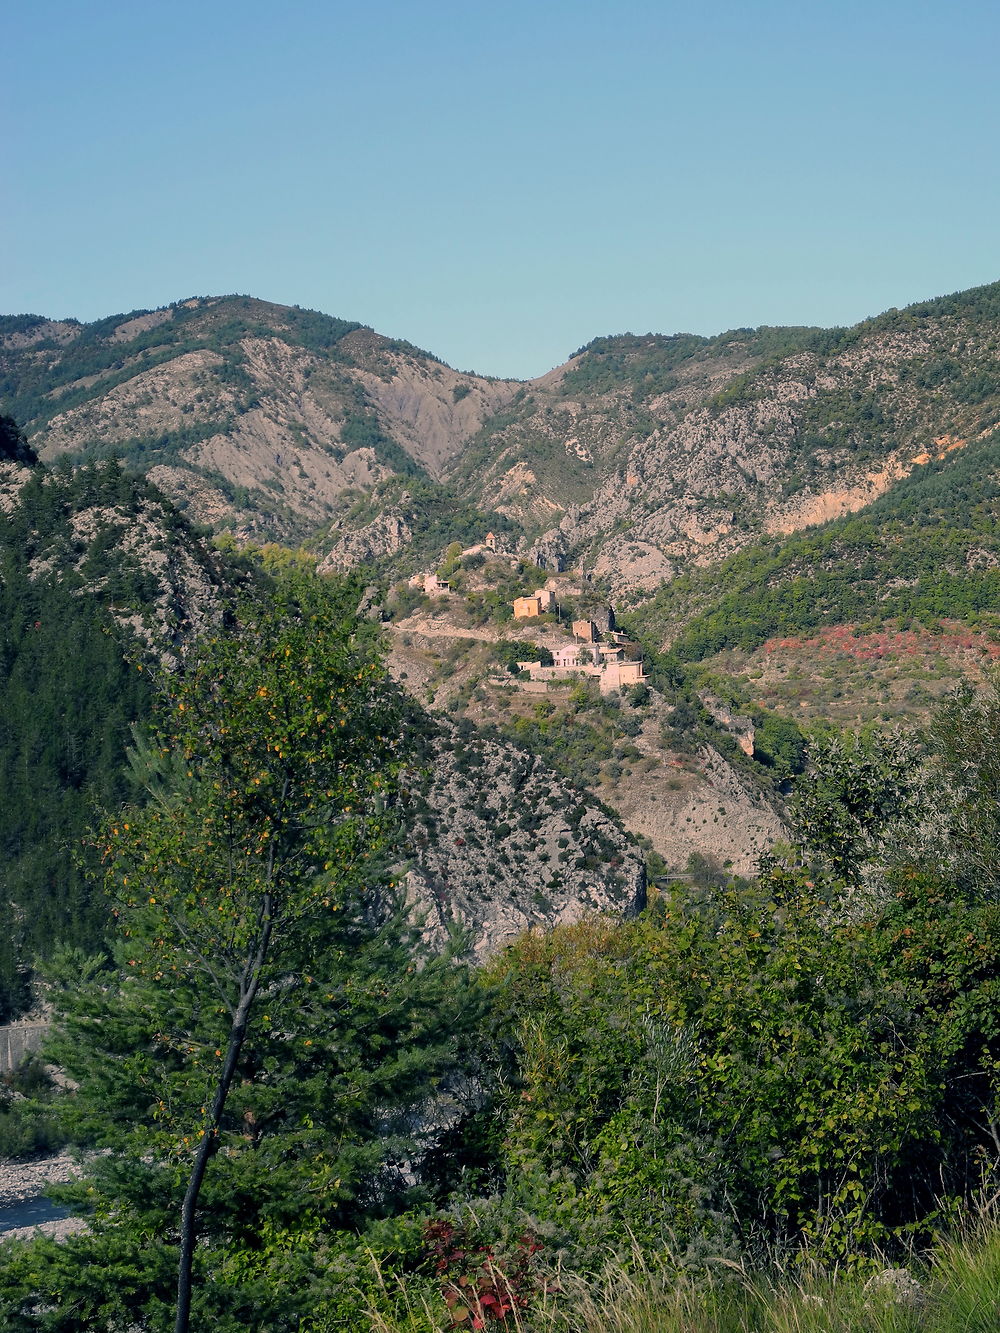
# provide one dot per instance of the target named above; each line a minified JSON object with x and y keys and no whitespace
{"x":620,"y":675}
{"x":537,"y":604}
{"x":605,"y":663}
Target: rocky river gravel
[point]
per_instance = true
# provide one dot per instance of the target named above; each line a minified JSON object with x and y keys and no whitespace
{"x":23,"y":1207}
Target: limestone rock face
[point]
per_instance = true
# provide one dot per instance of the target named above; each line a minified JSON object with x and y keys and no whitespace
{"x":184,"y":600}
{"x":386,"y":535}
{"x":549,"y":551}
{"x":12,"y":477}
{"x":120,"y":542}
{"x":501,"y":844}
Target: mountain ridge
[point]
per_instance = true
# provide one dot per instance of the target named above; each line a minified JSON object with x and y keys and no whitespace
{"x":641,"y":458}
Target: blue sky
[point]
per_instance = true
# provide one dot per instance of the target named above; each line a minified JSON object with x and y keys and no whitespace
{"x":501,"y":183}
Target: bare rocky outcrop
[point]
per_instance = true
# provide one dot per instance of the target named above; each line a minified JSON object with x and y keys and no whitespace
{"x":40,"y":331}
{"x":164,"y":398}
{"x":159,"y":581}
{"x":713,"y":811}
{"x":638,"y":458}
{"x":184,"y":600}
{"x":12,"y":477}
{"x":131,"y":328}
{"x":549,"y":551}
{"x":501,"y":844}
{"x":430,"y":409}
{"x":386,"y":535}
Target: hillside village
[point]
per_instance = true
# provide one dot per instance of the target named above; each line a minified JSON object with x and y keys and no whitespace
{"x":492,"y":639}
{"x":596,"y":648}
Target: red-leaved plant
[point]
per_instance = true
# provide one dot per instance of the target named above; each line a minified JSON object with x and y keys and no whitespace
{"x":478,"y":1290}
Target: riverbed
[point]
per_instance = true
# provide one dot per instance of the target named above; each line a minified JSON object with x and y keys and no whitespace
{"x":24,"y":1207}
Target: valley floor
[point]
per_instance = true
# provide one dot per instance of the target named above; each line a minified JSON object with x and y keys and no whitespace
{"x":23,"y":1206}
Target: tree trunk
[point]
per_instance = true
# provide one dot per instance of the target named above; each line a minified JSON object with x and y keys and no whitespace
{"x":210,"y":1134}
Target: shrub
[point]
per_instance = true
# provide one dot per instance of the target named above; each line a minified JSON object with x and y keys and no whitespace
{"x":740,"y":1054}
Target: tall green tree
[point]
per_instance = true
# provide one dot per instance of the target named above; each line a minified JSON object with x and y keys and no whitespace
{"x":859,"y":803}
{"x":964,"y":745}
{"x":254,"y":1056}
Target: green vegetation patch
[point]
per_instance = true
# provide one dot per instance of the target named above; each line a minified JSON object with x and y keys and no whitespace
{"x":926,"y":549}
{"x":648,"y":363}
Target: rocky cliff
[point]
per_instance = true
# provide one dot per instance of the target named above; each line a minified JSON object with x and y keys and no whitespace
{"x":641,"y":457}
{"x":501,"y":843}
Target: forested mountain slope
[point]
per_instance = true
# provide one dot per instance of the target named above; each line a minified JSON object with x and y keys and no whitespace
{"x":99,"y":575}
{"x":642,"y":457}
{"x":103,"y":581}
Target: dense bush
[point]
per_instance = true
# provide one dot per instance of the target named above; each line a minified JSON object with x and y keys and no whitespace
{"x":29,"y":1120}
{"x":740,"y":1067}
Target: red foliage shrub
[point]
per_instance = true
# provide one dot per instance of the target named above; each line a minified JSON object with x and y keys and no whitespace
{"x":479,"y":1290}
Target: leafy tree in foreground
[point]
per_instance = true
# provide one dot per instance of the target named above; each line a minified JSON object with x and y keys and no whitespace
{"x":965,"y":757}
{"x":859,"y":803}
{"x":253,"y":1056}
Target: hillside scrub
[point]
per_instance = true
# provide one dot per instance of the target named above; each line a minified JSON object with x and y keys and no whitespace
{"x":923,"y":551}
{"x":255,"y":1058}
{"x":792,"y":1071}
{"x":737,"y":1071}
{"x":951,"y":1290}
{"x":729,"y":1112}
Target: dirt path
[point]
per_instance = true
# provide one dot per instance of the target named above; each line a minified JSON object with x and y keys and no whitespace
{"x":444,"y":629}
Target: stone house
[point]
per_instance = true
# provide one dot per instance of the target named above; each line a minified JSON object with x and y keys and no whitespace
{"x":537,"y":604}
{"x":605,"y":662}
{"x":619,"y":675}
{"x":630,"y":650}
{"x":574,"y":655}
{"x":599,"y":624}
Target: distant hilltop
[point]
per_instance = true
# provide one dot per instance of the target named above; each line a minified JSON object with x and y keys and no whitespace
{"x":643,"y":456}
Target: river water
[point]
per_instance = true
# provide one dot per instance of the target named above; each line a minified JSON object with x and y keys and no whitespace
{"x":23,"y":1191}
{"x":30,"y":1212}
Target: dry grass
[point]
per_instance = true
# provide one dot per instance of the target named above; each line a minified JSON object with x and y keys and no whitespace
{"x":954,"y":1290}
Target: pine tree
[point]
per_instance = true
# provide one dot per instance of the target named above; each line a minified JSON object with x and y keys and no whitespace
{"x":254,"y":1056}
